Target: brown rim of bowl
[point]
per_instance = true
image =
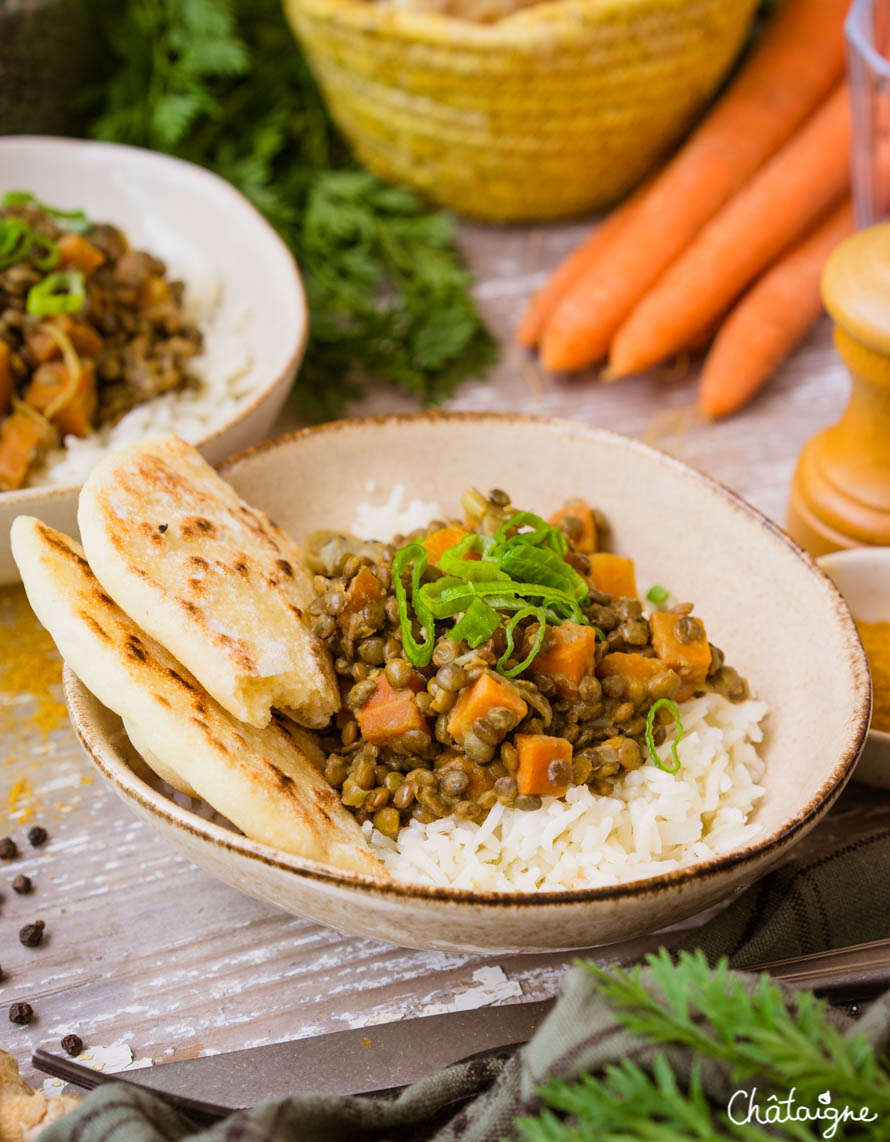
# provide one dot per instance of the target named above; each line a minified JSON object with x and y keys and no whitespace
{"x":159,"y":805}
{"x":25,"y":495}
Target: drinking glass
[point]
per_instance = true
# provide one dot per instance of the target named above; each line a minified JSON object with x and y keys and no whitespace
{"x":868,"y":68}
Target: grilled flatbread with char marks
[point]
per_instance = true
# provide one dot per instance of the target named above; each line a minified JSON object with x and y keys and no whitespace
{"x":212,"y":579}
{"x":266,"y":781}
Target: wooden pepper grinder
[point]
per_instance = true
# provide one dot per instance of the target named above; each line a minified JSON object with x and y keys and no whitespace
{"x":840,"y":494}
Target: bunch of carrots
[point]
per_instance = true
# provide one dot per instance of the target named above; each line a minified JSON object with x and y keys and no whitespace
{"x":728,"y":240}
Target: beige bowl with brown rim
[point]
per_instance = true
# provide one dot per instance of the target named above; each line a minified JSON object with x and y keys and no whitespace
{"x":210,"y":235}
{"x":780,"y":620}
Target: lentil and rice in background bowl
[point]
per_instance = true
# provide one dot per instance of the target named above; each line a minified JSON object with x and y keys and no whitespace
{"x":240,"y":305}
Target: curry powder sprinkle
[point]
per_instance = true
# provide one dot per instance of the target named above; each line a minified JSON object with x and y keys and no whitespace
{"x":29,"y":664}
{"x":876,"y":640}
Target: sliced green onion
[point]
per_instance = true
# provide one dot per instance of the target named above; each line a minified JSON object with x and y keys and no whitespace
{"x":525,"y":613}
{"x":47,"y":260}
{"x":413,"y":555}
{"x":657,"y":594}
{"x":543,"y":565}
{"x":540,"y":527}
{"x":74,"y":220}
{"x":16,"y":237}
{"x":478,"y":623}
{"x":453,"y":561}
{"x":449,"y":596}
{"x":519,"y":574}
{"x":650,"y":740}
{"x":61,"y":292}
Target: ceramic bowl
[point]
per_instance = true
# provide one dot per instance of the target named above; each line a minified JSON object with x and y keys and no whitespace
{"x":862,"y":574}
{"x":780,"y":620}
{"x":209,"y":234}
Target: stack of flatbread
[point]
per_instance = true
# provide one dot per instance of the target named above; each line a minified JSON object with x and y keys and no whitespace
{"x":184,"y":613}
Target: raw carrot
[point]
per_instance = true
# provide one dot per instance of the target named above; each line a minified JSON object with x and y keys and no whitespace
{"x":778,"y":206}
{"x":545,"y":765}
{"x":770,"y":319}
{"x":798,"y":61}
{"x":590,"y":253}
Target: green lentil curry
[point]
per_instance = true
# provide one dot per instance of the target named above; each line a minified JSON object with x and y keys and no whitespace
{"x":498,"y":658}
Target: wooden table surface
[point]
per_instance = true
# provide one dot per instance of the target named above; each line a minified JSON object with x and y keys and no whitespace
{"x":147,"y":952}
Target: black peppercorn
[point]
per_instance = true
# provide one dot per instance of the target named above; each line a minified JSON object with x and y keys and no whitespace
{"x":162,"y":527}
{"x":37,"y":836}
{"x":72,"y":1045}
{"x":22,"y":885}
{"x":32,"y":934}
{"x":21,"y":1013}
{"x":9,"y":850}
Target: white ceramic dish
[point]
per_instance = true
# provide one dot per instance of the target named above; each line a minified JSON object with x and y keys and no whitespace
{"x":780,"y":620}
{"x":206,"y":231}
{"x":862,"y":575}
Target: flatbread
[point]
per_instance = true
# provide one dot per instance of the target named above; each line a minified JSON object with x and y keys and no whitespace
{"x":266,"y":781}
{"x":210,"y":578}
{"x":164,"y":771}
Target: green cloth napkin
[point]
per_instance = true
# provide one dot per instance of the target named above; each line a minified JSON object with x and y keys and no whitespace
{"x":828,"y":901}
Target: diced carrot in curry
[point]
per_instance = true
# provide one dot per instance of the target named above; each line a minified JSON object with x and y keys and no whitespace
{"x":83,"y":337}
{"x":481,"y":777}
{"x":76,"y":253}
{"x":579,"y":510}
{"x":390,"y":713}
{"x":21,"y":439}
{"x":50,"y":381}
{"x":438,"y":542}
{"x":631,"y":667}
{"x":365,"y":588}
{"x":691,"y":660}
{"x":155,"y":291}
{"x":613,"y":574}
{"x":640,"y":669}
{"x":569,"y":652}
{"x":6,"y":383}
{"x":485,"y":694}
{"x":545,"y":765}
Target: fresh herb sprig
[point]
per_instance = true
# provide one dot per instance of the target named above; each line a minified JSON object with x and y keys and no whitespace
{"x":756,"y":1036}
{"x":223,"y":83}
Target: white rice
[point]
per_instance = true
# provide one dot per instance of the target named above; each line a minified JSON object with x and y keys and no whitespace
{"x":372,"y":521}
{"x":651,"y":822}
{"x":225,"y":370}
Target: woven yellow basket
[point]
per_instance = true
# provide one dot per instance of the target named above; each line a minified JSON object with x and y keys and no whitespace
{"x":559,"y":108}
